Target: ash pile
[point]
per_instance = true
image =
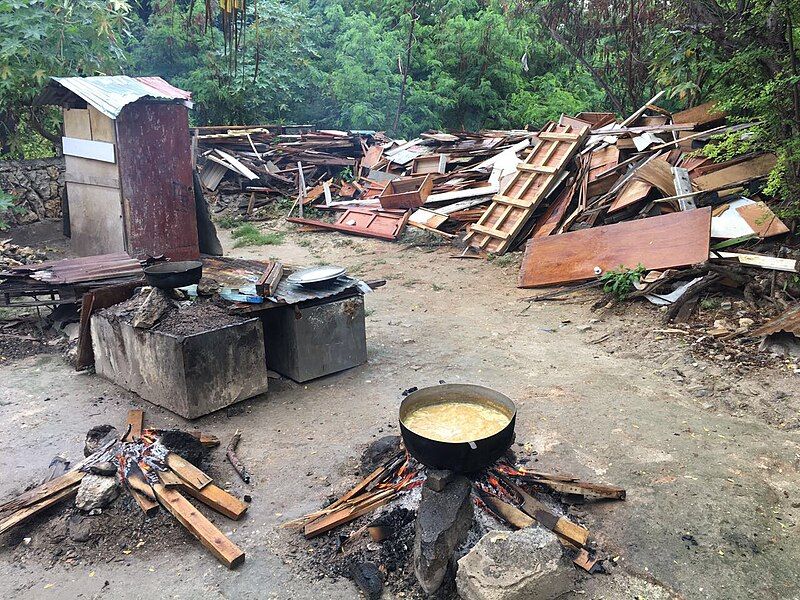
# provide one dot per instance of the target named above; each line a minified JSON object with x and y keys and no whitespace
{"x":123,"y":480}
{"x":507,"y":532}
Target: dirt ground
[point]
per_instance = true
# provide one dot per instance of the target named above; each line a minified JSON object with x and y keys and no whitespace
{"x":708,"y":452}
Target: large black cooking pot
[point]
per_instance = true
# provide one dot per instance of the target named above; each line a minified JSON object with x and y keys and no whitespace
{"x":169,"y":275}
{"x":462,"y":457}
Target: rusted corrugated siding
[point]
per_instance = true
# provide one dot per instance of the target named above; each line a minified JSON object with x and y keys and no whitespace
{"x":156,"y":173}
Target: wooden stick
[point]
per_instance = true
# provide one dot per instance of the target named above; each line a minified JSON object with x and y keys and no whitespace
{"x":221,"y":501}
{"x":212,"y":538}
{"x":346,"y":515}
{"x":233,"y":458}
{"x":562,"y":526}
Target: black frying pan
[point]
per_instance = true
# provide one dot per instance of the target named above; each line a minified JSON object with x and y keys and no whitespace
{"x":463,"y":457}
{"x":168,"y":275}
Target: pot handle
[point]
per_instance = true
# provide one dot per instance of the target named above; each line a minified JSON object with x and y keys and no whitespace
{"x":473,"y":445}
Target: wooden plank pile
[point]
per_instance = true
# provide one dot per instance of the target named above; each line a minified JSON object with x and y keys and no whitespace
{"x":154,"y":477}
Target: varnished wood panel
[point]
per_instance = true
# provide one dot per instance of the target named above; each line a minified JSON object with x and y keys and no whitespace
{"x":674,"y":240}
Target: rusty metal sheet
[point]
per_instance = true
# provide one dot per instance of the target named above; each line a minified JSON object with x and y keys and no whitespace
{"x":156,"y":174}
{"x":111,"y":93}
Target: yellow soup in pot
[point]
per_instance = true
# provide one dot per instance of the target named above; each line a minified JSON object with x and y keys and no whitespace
{"x":456,"y":421}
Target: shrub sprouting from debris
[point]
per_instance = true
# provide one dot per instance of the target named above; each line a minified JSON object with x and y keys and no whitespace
{"x":249,"y":235}
{"x":619,"y":282}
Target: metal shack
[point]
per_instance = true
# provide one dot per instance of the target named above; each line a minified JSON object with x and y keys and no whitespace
{"x":128,"y":165}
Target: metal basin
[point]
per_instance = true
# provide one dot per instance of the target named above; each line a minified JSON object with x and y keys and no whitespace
{"x":461,"y":457}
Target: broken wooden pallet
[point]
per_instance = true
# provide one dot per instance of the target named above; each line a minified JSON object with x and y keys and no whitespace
{"x":536,"y":176}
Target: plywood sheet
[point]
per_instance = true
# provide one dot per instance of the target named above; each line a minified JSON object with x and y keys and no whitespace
{"x":91,"y":172}
{"x":95,"y":219}
{"x":102,"y":126}
{"x":703,"y":115}
{"x":76,"y":123}
{"x":673,"y":240}
{"x":762,"y":220}
{"x":632,"y":192}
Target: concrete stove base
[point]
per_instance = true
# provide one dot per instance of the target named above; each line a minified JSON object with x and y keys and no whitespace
{"x":189,"y":375}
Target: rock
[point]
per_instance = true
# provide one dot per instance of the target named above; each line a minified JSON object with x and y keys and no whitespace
{"x":437,"y":479}
{"x":518,"y":565}
{"x":79,"y":528}
{"x":155,"y":305}
{"x":96,"y":491}
{"x":95,"y":438}
{"x":746,"y":323}
{"x":443,"y":520}
{"x":207,"y":287}
{"x":378,"y":452}
{"x":104,"y":468}
{"x":368,"y":578}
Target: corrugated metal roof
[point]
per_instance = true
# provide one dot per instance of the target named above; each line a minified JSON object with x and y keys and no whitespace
{"x":111,"y":93}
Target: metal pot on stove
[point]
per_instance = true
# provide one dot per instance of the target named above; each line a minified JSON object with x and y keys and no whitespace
{"x":458,"y":427}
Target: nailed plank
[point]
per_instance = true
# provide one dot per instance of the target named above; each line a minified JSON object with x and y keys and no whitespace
{"x":170,"y":479}
{"x":102,"y":151}
{"x":221,"y":501}
{"x":204,"y":530}
{"x":517,"y":201}
{"x":188,"y":472}
{"x":673,"y":240}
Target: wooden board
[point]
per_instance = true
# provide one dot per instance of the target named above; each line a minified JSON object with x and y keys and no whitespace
{"x":95,"y":220}
{"x":755,"y":168}
{"x":39,"y":493}
{"x":221,"y":501}
{"x":23,"y":514}
{"x":657,"y":172}
{"x":91,"y":172}
{"x":102,"y":151}
{"x":632,"y":192}
{"x":702,"y":115}
{"x":555,"y":213}
{"x":188,"y":472}
{"x":77,"y":123}
{"x":536,"y":176}
{"x":363,"y":222}
{"x":136,"y":421}
{"x":762,"y":220}
{"x":674,"y":240}
{"x":102,"y":126}
{"x":228,"y":553}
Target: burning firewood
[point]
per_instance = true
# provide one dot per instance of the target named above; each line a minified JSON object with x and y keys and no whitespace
{"x":154,"y":476}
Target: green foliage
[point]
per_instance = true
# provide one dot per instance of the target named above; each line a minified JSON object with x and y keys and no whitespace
{"x":6,"y":206}
{"x":229,"y":222}
{"x":41,"y":38}
{"x":249,"y":235}
{"x":619,"y":282}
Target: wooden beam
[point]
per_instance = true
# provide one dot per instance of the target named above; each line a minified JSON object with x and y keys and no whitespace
{"x":228,"y":553}
{"x":188,"y":472}
{"x":221,"y":501}
{"x":560,"y":525}
{"x":345,"y":515}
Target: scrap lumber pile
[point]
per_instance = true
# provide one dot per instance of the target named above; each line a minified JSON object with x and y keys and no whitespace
{"x":265,"y":161}
{"x":153,"y":475}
